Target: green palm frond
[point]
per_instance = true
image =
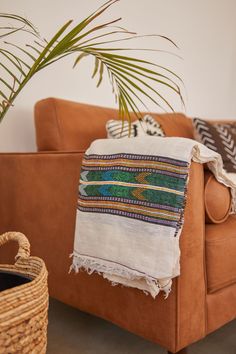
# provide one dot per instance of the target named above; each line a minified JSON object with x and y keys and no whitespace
{"x":133,"y":80}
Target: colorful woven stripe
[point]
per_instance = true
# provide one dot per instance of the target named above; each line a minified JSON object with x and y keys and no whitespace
{"x":147,"y":188}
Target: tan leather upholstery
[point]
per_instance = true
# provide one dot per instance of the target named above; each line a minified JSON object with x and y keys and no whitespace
{"x":65,"y":125}
{"x":38,"y":196}
{"x":221,"y":308}
{"x":217,"y":199}
{"x":221,"y":254}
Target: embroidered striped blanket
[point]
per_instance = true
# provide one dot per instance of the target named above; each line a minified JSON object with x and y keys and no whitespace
{"x":131,"y":206}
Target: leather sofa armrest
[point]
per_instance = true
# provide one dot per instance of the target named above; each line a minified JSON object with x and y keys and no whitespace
{"x":217,"y":200}
{"x":190,"y":287}
{"x":38,"y":197}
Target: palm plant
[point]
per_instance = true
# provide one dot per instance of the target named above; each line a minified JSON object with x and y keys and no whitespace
{"x":133,"y":80}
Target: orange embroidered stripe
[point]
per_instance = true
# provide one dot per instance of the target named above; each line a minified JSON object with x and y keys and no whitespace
{"x":121,"y":206}
{"x":146,"y":164}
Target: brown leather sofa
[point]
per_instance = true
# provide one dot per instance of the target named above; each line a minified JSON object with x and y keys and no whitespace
{"x":38,"y":197}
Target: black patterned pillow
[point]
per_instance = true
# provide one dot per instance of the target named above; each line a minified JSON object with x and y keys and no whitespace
{"x":220,"y":137}
{"x":145,"y":126}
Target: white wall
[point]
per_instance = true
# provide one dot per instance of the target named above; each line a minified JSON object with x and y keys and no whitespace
{"x":205,"y":30}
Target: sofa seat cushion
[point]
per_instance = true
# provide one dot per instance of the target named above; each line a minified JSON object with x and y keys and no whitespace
{"x":221,"y":254}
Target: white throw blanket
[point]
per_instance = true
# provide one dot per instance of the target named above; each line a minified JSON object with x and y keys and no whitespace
{"x":131,"y":205}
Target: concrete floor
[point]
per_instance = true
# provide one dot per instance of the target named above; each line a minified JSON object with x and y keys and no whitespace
{"x":73,"y":332}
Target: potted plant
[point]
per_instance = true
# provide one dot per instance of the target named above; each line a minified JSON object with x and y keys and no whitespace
{"x":133,"y":80}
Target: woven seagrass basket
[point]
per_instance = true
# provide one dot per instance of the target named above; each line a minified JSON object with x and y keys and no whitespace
{"x":24,"y":308}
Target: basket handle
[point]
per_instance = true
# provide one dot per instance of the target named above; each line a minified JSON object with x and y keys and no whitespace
{"x":24,"y":245}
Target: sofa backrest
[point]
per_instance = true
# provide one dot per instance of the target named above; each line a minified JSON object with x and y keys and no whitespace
{"x":65,"y":125}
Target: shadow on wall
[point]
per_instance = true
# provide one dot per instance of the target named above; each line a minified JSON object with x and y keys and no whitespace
{"x":17,"y":133}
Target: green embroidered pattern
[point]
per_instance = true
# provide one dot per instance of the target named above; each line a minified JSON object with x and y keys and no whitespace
{"x":148,"y":188}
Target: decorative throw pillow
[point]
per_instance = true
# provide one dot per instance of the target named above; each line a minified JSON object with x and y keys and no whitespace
{"x":219,"y":137}
{"x":146,"y":126}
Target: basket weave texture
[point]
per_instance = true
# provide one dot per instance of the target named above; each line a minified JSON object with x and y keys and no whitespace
{"x":24,"y":308}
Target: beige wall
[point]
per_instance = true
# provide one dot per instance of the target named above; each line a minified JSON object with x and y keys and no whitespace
{"x":205,"y":30}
